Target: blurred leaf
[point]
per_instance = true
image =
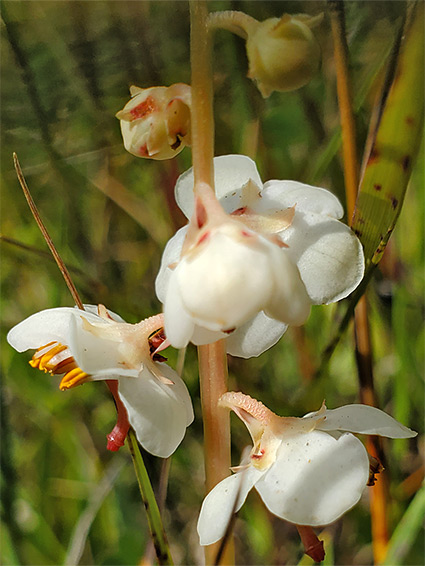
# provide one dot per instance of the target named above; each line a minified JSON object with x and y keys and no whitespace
{"x":389,"y":166}
{"x":407,"y":530}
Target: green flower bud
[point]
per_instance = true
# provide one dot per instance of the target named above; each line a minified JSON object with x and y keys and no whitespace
{"x":283,"y":54}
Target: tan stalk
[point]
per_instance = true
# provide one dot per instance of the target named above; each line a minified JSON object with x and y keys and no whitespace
{"x":62,"y":267}
{"x":212,"y":357}
{"x":364,"y":357}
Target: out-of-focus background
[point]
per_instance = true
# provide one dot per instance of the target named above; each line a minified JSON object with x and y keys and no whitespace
{"x":66,"y":70}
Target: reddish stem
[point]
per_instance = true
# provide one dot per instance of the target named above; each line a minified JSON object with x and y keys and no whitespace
{"x":118,"y":434}
{"x":313,"y":547}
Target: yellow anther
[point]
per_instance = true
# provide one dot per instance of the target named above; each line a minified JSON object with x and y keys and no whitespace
{"x":73,"y":378}
{"x":56,"y":359}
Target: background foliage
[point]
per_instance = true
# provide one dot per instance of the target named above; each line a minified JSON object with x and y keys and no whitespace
{"x":66,"y":69}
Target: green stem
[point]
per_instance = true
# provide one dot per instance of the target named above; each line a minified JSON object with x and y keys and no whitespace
{"x":154,"y":517}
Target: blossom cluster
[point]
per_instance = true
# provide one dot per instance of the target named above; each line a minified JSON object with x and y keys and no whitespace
{"x":252,"y":260}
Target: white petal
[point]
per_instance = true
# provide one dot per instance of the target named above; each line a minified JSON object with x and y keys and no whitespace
{"x":178,"y":324}
{"x":255,"y":336}
{"x":315,"y":478}
{"x":290,"y":302}
{"x":328,"y":254}
{"x":365,"y":420}
{"x":158,"y":412}
{"x":41,"y":328}
{"x":170,"y":256}
{"x":95,"y":355}
{"x":93,"y":309}
{"x":227,"y":282}
{"x":231,"y":172}
{"x":285,"y":194}
{"x":217,"y":507}
{"x":203,"y":336}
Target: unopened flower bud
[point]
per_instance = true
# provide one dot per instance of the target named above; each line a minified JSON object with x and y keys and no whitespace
{"x":283,"y":53}
{"x":155,"y":123}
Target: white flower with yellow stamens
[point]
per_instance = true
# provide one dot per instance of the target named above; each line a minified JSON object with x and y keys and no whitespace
{"x":96,"y":344}
{"x":308,"y":471}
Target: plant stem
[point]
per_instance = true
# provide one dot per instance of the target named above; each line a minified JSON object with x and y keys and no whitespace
{"x":212,"y":357}
{"x":364,"y":357}
{"x":154,"y":516}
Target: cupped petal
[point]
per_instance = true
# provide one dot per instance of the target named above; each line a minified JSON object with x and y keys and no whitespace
{"x":159,"y":413}
{"x":328,"y":255}
{"x":178,"y":325}
{"x":279,"y":195}
{"x":94,"y":354}
{"x":289,"y":302}
{"x":364,"y":419}
{"x":202,"y":336}
{"x":255,"y":336}
{"x":316,"y":478}
{"x":231,"y":173}
{"x":218,"y":505}
{"x":50,"y":325}
{"x":170,"y":257}
{"x":227,"y":282}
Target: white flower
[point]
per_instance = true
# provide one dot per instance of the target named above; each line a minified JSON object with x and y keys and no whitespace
{"x":308,"y":471}
{"x":96,"y":344}
{"x":279,"y":249}
{"x":155,"y":123}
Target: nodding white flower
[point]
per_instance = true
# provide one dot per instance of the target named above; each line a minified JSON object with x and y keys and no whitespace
{"x":155,"y":123}
{"x":256,"y":260}
{"x":97,"y":344}
{"x":308,"y":471}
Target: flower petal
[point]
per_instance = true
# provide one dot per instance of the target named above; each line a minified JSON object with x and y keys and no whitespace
{"x":328,"y":255}
{"x":96,"y":355}
{"x":255,"y":336}
{"x":227,"y":282}
{"x":178,"y":325}
{"x":365,"y":420}
{"x":315,"y":478}
{"x":159,"y":413}
{"x":170,"y":256}
{"x":279,"y":195}
{"x":41,"y":328}
{"x":289,"y":302}
{"x":93,"y":309}
{"x":217,"y":507}
{"x":231,"y":173}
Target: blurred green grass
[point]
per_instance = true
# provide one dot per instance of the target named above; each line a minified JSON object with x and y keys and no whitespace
{"x":66,"y":69}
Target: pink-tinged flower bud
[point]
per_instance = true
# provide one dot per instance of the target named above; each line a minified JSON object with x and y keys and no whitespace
{"x":283,"y":53}
{"x":155,"y":123}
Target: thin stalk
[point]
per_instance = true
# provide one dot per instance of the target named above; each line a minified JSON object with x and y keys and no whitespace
{"x":152,"y":511}
{"x":212,"y":357}
{"x":62,"y":267}
{"x":364,"y":356}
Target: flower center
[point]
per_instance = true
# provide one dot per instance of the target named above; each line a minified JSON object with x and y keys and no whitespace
{"x":56,"y":359}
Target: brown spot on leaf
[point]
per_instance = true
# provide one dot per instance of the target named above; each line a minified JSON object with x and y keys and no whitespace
{"x":410,"y":121}
{"x":374,"y":155}
{"x":377,"y":187}
{"x":394,"y":202}
{"x":358,"y":233}
{"x":405,"y":162}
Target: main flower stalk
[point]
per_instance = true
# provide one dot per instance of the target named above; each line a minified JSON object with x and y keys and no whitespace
{"x":212,"y":357}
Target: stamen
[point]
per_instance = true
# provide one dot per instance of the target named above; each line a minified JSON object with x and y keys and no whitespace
{"x":56,"y":359}
{"x":73,"y":378}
